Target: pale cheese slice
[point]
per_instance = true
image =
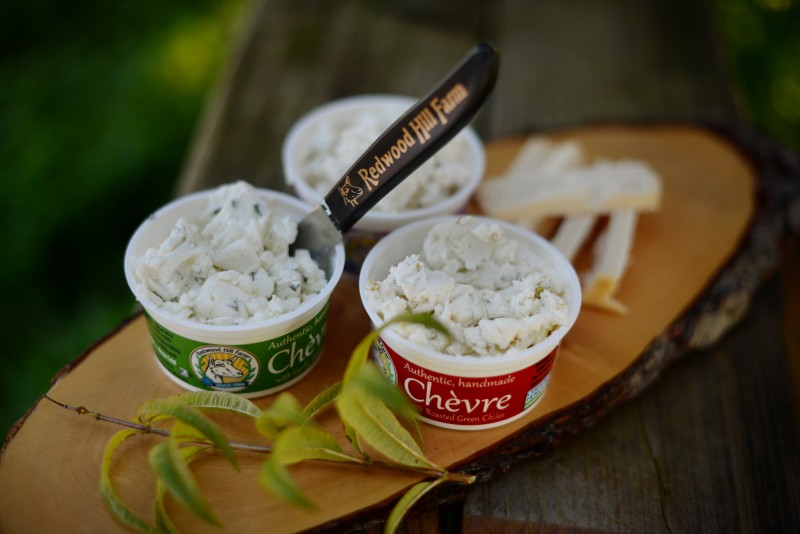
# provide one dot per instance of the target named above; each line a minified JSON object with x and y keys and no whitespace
{"x":571,"y":234}
{"x":549,"y":181}
{"x":543,"y":156}
{"x":598,"y":188}
{"x":611,"y":255}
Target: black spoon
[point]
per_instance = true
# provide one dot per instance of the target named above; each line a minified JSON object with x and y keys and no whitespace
{"x":413,"y":138}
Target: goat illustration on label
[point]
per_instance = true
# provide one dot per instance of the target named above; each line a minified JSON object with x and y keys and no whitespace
{"x":224,"y":368}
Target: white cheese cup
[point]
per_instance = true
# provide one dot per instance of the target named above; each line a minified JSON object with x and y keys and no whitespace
{"x":466,"y":392}
{"x":258,"y":358}
{"x":375,"y":224}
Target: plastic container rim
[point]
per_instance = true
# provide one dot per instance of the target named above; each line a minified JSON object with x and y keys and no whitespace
{"x":377,"y":221}
{"x":166,"y":319}
{"x":471,"y":362}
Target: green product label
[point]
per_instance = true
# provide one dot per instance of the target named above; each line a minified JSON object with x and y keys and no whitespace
{"x":240,"y":368}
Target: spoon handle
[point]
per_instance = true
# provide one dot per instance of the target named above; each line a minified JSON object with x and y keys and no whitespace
{"x":414,"y":137}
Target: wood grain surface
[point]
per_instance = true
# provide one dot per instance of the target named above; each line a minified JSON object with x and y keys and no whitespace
{"x":680,"y":248}
{"x":563,"y":63}
{"x":710,"y":444}
{"x":662,"y":463}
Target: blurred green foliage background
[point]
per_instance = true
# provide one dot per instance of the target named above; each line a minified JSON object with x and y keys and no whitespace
{"x":761,"y":40}
{"x":98,"y":104}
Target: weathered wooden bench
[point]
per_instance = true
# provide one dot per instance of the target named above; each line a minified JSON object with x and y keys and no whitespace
{"x":712,"y":445}
{"x":701,"y":432}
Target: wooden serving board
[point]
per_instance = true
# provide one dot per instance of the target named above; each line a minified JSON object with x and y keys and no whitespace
{"x":49,"y":469}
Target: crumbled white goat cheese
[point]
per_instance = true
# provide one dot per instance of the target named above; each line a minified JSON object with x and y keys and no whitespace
{"x":230,"y":264}
{"x":493,"y":294}
{"x":336,"y":145}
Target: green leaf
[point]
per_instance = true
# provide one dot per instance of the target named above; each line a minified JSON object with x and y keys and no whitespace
{"x":424,"y":319}
{"x":308,"y":443}
{"x":285,"y":412}
{"x":372,"y":382}
{"x":361,"y":352}
{"x":408,"y":500}
{"x":275,"y":477}
{"x":322,"y":401}
{"x":173,"y":471}
{"x":378,"y":426}
{"x":352,"y":437}
{"x":359,"y":357}
{"x":358,"y":360}
{"x":218,"y":400}
{"x":293,"y":445}
{"x":163,"y":522}
{"x":184,"y":433}
{"x":121,"y":513}
{"x":195,"y":418}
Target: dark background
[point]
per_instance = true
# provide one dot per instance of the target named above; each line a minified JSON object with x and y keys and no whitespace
{"x":98,"y":106}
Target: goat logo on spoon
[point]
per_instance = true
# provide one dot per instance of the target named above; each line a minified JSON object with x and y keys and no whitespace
{"x":350,"y":192}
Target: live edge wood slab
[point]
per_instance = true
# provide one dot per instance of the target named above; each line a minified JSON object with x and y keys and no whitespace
{"x":695,"y":265}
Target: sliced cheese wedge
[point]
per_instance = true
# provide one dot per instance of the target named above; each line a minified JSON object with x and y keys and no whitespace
{"x":542,"y":155}
{"x":598,"y":188}
{"x":611,"y":255}
{"x":572,"y":233}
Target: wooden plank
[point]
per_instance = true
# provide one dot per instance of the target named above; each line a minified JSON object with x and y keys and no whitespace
{"x":599,"y":365}
{"x":714,"y":443}
{"x":704,"y":448}
{"x":561,"y":64}
{"x":297,"y":55}
{"x":791,"y":323}
{"x":572,"y":62}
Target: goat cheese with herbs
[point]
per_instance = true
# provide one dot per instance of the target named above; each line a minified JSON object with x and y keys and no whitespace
{"x":493,"y":294}
{"x":334,"y":147}
{"x":230,"y":264}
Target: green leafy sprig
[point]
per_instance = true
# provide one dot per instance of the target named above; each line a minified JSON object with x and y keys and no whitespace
{"x":368,"y":406}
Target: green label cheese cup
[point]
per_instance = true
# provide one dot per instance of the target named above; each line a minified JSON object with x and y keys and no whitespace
{"x":375,"y":224}
{"x":457,"y":391}
{"x":253,"y":359}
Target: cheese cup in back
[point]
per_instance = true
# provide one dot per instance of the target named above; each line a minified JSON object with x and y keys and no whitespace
{"x":324,"y":143}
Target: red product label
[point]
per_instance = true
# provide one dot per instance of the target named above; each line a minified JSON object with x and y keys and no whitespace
{"x":461,"y":400}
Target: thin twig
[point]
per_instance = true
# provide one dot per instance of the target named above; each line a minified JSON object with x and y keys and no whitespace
{"x":147,"y":429}
{"x":100,"y":417}
{"x":461,"y":478}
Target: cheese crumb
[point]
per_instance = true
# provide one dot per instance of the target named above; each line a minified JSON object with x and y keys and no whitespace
{"x":493,"y":295}
{"x":230,"y":265}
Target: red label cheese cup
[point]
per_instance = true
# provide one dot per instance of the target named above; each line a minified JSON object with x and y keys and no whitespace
{"x":467,"y":392}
